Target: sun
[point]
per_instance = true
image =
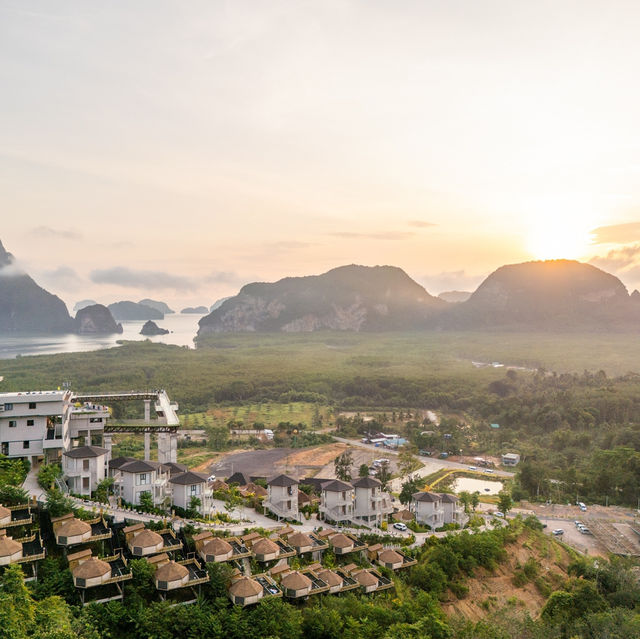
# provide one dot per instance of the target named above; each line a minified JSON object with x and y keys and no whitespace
{"x":559,"y":230}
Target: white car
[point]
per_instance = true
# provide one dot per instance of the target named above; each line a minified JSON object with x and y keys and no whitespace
{"x":211,"y":478}
{"x":400,"y":526}
{"x":558,"y":531}
{"x":498,"y":514}
{"x":473,"y":468}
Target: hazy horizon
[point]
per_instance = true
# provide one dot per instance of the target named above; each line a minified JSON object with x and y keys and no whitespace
{"x":180,"y":151}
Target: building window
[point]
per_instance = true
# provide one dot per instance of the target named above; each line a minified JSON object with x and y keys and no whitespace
{"x":8,"y":406}
{"x":31,"y":422}
{"x":85,"y":483}
{"x":32,"y":405}
{"x":95,"y":420}
{"x":85,"y":464}
{"x":143,"y":478}
{"x":25,"y":444}
{"x":194,"y":489}
{"x":12,"y":423}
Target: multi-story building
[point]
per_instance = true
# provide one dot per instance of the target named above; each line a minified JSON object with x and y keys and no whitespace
{"x":336,"y":501}
{"x":435,"y":510}
{"x":185,"y":486}
{"x":371,"y":504}
{"x":453,"y":510}
{"x":35,"y":425}
{"x":84,"y":468}
{"x":427,"y":509}
{"x":282,"y":497}
{"x":132,"y":477}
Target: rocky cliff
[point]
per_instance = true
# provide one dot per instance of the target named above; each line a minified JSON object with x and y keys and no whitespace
{"x":25,"y":306}
{"x":351,"y":298}
{"x":96,"y":320}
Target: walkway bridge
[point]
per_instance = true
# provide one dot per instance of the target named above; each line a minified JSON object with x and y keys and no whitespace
{"x":165,"y":425}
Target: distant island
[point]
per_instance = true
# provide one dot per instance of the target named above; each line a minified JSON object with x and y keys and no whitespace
{"x":159,"y":306}
{"x":197,"y":310}
{"x":134,"y":311}
{"x":151,"y":328}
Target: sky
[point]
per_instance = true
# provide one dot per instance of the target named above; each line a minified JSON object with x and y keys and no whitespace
{"x":178,"y":150}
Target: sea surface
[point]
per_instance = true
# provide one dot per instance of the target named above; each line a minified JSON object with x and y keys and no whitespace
{"x":183,"y":329}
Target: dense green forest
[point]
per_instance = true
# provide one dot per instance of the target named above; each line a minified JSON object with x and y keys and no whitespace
{"x":578,"y":429}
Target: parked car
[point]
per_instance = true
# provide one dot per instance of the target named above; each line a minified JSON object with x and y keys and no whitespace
{"x":488,"y":470}
{"x":558,"y":531}
{"x":211,"y":478}
{"x":498,"y":514}
{"x":473,"y":468}
{"x":577,"y":523}
{"x":400,"y":526}
{"x":585,"y":531}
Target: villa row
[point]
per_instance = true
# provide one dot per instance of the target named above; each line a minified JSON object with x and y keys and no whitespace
{"x":361,"y":502}
{"x":179,"y":574}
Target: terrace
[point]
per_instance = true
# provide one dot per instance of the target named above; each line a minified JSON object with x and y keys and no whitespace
{"x":20,"y":515}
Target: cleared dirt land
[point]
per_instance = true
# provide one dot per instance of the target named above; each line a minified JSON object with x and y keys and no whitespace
{"x":300,"y":462}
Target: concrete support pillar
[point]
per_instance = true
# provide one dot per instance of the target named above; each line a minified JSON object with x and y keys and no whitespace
{"x":107,"y":444}
{"x":147,"y":436}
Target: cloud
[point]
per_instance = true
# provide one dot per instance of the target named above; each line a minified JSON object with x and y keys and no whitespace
{"x":150,"y":280}
{"x":63,"y":277}
{"x":420,"y":224}
{"x":617,"y":260}
{"x":47,"y":232}
{"x":617,"y":234}
{"x":450,"y":281}
{"x":385,"y":235}
{"x":225,"y":277}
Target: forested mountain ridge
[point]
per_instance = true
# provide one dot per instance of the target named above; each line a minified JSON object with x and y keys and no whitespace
{"x":354,"y":298}
{"x":27,"y":307}
{"x":553,"y":295}
{"x":562,"y":295}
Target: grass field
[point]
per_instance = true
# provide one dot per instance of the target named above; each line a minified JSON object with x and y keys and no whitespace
{"x":268,"y":413}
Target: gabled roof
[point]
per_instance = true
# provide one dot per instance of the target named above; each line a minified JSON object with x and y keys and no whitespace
{"x":120,"y":461}
{"x":189,"y":478}
{"x":282,"y":480}
{"x":85,"y":451}
{"x":449,"y":498}
{"x":367,"y":482}
{"x":175,"y":467}
{"x":238,"y":478}
{"x":140,"y":466}
{"x":426,"y":496}
{"x":336,"y":486}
